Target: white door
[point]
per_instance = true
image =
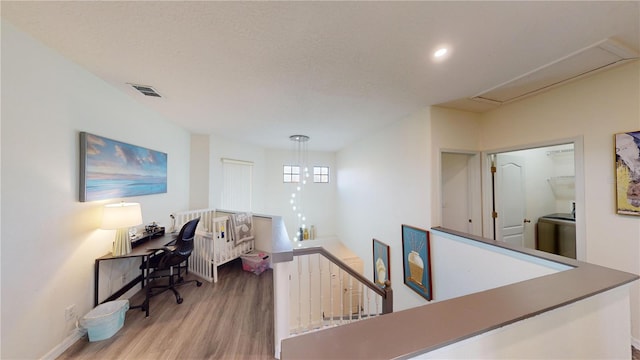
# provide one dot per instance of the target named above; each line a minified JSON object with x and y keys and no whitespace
{"x":455,"y":194}
{"x":461,"y":200}
{"x":510,"y":199}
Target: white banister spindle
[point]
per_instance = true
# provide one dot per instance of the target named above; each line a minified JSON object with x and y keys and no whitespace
{"x":299,"y":292}
{"x":350,"y":297}
{"x":332,"y":295}
{"x":341,"y":282}
{"x":310,"y":282}
{"x":321,"y":279}
{"x":358,"y":300}
{"x":331,"y":287}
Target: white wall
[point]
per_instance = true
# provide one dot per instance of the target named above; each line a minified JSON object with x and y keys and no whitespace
{"x":199,"y":172}
{"x":270,"y":194}
{"x":319,"y":198}
{"x":384,"y":181}
{"x":49,"y":238}
{"x":594,"y":108}
{"x":452,"y":130}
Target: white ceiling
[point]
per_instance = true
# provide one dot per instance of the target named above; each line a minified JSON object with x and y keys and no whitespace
{"x":261,"y":71}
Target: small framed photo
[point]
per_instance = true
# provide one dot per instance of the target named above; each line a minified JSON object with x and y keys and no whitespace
{"x":628,"y":173}
{"x":381,"y":268}
{"x":416,"y":258}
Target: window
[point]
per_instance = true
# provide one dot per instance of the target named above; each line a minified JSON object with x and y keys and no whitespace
{"x":237,"y":178}
{"x":291,"y":174}
{"x":320,"y":174}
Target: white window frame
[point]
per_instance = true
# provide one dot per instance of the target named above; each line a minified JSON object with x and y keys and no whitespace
{"x":237,"y":179}
{"x":319,"y":176}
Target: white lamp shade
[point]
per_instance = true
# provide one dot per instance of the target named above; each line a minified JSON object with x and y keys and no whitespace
{"x":122,"y":215}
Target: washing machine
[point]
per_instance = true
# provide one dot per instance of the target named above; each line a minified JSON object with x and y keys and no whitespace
{"x":556,"y":234}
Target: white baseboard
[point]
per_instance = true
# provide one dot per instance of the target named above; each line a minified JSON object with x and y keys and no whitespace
{"x":76,"y":334}
{"x":635,"y":343}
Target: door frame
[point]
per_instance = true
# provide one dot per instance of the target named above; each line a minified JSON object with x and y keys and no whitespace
{"x":474,"y":188}
{"x":487,"y":191}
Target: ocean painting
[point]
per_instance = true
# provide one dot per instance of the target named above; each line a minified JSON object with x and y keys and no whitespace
{"x":112,"y":169}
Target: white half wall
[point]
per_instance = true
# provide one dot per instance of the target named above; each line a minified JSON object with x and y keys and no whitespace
{"x":49,"y":238}
{"x":594,"y":328}
{"x":461,"y":266}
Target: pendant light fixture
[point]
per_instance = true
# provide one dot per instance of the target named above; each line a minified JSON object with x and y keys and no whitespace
{"x":299,"y":162}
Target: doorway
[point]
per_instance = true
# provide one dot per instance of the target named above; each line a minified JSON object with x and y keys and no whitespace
{"x":461,"y":191}
{"x":532,"y":184}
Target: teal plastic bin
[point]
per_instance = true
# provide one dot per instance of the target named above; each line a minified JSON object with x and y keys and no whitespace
{"x":105,"y":319}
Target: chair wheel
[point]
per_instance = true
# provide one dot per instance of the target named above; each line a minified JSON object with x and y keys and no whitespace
{"x":179,"y":300}
{"x":198,"y":283}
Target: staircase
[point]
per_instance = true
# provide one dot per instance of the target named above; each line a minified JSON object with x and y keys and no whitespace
{"x":327,"y":289}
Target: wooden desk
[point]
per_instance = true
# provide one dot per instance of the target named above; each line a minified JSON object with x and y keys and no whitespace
{"x":142,"y":250}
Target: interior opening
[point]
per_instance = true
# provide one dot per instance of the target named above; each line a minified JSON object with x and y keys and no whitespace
{"x":523,"y":196}
{"x":533,"y":199}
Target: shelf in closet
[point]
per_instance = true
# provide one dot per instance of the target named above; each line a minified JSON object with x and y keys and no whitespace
{"x":563,"y":187}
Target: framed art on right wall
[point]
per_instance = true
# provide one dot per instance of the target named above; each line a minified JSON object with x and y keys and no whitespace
{"x":416,"y":259}
{"x":627,"y":147}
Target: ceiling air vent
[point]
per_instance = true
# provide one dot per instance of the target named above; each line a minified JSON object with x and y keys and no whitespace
{"x":601,"y":55}
{"x":146,"y":90}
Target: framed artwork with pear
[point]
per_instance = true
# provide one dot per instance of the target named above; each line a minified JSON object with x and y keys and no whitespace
{"x":416,"y":259}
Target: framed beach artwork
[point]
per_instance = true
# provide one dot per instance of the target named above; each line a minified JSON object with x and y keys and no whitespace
{"x":113,"y":169}
{"x":628,"y":173}
{"x":381,"y":268}
{"x":416,"y":258}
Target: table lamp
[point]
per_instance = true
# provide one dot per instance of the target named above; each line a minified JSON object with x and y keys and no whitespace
{"x":121,"y":217}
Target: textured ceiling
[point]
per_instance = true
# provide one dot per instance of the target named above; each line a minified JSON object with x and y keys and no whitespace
{"x":261,"y":71}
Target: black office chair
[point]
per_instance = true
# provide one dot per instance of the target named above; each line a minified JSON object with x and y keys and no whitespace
{"x":171,"y":261}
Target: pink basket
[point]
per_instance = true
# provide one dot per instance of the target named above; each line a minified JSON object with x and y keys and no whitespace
{"x":256,"y":263}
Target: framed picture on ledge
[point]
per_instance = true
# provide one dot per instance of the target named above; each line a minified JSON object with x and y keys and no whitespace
{"x":416,"y":258}
{"x":381,"y":268}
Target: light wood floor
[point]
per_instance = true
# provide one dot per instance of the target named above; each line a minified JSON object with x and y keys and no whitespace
{"x":231,"y":319}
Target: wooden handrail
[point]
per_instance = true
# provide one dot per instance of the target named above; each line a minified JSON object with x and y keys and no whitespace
{"x":386,"y":293}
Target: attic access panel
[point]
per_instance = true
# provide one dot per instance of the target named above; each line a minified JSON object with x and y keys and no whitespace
{"x":598,"y":56}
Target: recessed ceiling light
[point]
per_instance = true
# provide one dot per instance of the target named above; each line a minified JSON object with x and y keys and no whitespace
{"x":440,"y":52}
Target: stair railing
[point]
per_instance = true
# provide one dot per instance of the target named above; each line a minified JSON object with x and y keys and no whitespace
{"x":325,"y":291}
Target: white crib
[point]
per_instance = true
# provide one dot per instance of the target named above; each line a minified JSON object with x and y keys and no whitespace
{"x":212,"y":247}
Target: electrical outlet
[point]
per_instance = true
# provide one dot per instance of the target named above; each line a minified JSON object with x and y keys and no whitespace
{"x":124,"y":278}
{"x":70,"y":312}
